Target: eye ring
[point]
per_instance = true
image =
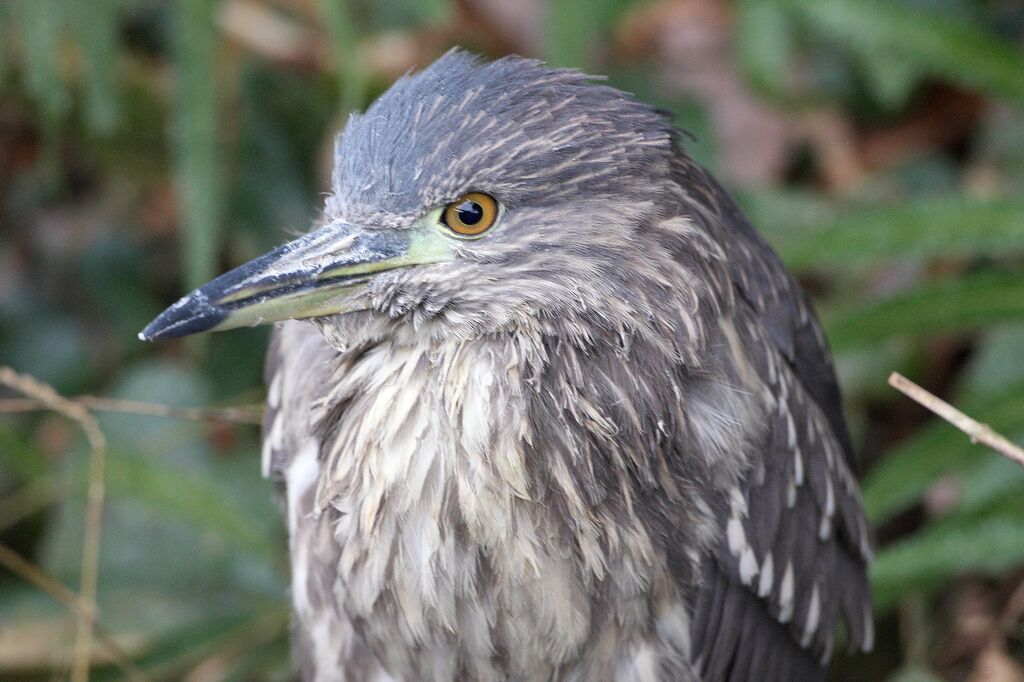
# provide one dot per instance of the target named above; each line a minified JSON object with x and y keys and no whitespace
{"x":471,"y":214}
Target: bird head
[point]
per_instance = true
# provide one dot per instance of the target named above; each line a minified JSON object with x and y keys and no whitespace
{"x":469,"y":198}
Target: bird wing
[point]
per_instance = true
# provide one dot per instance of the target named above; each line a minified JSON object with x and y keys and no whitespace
{"x":791,"y":564}
{"x":784,"y":310}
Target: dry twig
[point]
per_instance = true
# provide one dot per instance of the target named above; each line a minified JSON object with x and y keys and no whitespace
{"x":35,"y":389}
{"x":32,"y":574}
{"x":978,"y":432}
{"x":39,"y":396}
{"x":244,"y":414}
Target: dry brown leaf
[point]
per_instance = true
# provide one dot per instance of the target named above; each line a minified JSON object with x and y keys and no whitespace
{"x":506,"y":25}
{"x":44,"y":643}
{"x":691,"y":41}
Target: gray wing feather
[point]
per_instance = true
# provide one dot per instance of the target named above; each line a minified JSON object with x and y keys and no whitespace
{"x":780,"y":304}
{"x":801,"y":520}
{"x":739,"y":640}
{"x":800,"y":514}
{"x":785,"y":311}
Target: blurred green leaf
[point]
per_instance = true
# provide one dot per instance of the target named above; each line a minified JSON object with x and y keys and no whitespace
{"x":5,"y":37}
{"x":271,"y":660}
{"x":111,"y":273}
{"x":41,"y":23}
{"x":142,"y":150}
{"x":1001,"y":143}
{"x":765,"y":44}
{"x":998,"y":361}
{"x":907,"y":471}
{"x":198,"y":142}
{"x":961,"y":304}
{"x":915,"y":674}
{"x":946,"y":46}
{"x":234,"y":364}
{"x":928,"y":177}
{"x":995,"y":484}
{"x":808,"y":234}
{"x":572,"y":27}
{"x":891,"y":77}
{"x":282,"y":126}
{"x":392,"y":14}
{"x":945,"y":550}
{"x":345,"y":35}
{"x":20,"y":455}
{"x":166,"y":383}
{"x":198,"y":500}
{"x":206,"y":540}
{"x":51,"y":347}
{"x":95,"y":26}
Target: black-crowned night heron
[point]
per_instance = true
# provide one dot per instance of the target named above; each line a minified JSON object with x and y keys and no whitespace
{"x":561,"y":413}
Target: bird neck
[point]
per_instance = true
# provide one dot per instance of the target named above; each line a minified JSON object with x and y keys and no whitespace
{"x":542,"y":478}
{"x":411,"y":424}
{"x":502,"y":437}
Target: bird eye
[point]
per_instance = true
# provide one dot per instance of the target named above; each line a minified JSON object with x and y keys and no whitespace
{"x":470,"y":215}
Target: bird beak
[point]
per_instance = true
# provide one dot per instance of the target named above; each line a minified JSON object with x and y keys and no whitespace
{"x":322,"y":273}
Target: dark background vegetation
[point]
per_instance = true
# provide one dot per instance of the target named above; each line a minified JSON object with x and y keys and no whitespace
{"x":147,"y":145}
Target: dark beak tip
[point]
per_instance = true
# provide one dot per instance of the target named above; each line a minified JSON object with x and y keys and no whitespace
{"x":155,"y":331}
{"x":187,"y":316}
{"x":152,"y":332}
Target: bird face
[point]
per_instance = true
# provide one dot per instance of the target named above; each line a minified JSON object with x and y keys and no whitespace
{"x":468,"y":198}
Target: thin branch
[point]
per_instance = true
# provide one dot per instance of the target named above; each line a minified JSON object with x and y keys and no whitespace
{"x":37,"y":577}
{"x":33,"y":388}
{"x":40,"y":396}
{"x":978,"y":432}
{"x":244,"y":414}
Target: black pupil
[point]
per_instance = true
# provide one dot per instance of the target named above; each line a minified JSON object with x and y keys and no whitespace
{"x":470,"y":212}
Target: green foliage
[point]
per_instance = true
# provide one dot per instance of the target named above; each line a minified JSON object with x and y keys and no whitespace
{"x":573,"y":28}
{"x":915,"y":674}
{"x":40,"y":25}
{"x":198,"y":499}
{"x":94,"y":25}
{"x":810,"y":233}
{"x":930,"y":558}
{"x":896,"y":44}
{"x":345,"y":39}
{"x":937,"y":44}
{"x":5,"y":35}
{"x":960,"y":305}
{"x":198,"y":141}
{"x":765,"y":43}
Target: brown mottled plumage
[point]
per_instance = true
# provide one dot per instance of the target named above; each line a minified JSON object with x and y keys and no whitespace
{"x":603,"y":441}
